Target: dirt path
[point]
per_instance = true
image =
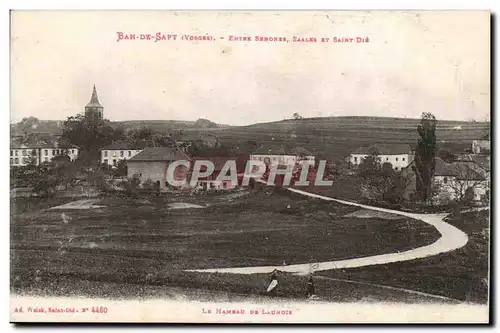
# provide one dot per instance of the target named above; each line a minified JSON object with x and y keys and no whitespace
{"x":451,"y":239}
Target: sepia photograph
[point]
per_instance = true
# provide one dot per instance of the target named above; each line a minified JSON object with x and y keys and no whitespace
{"x":250,"y":166}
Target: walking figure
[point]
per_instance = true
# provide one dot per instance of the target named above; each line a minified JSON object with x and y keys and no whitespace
{"x":310,"y":287}
{"x":272,"y":289}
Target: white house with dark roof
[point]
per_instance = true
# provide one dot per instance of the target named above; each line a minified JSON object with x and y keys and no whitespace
{"x":121,"y":150}
{"x":399,"y":155}
{"x":152,"y":163}
{"x":39,"y":150}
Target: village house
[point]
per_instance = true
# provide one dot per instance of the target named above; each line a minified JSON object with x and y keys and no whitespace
{"x":454,"y":181}
{"x":398,"y":155}
{"x":481,"y":146}
{"x":480,"y":163}
{"x":121,"y":150}
{"x":39,"y":150}
{"x":275,"y":156}
{"x":152,"y":163}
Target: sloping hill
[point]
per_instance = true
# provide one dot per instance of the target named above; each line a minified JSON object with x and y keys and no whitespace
{"x":336,"y":137}
{"x":329,"y":137}
{"x":55,"y":126}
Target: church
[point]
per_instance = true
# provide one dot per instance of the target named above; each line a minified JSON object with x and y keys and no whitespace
{"x":94,"y":109}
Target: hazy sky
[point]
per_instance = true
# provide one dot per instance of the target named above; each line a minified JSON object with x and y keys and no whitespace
{"x":414,"y":62}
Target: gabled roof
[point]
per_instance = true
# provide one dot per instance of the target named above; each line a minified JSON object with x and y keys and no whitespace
{"x":125,"y":145}
{"x":36,"y":141}
{"x":152,"y":154}
{"x":271,"y":150}
{"x":385,"y":149}
{"x":219,"y":162}
{"x":300,"y":151}
{"x":461,"y":170}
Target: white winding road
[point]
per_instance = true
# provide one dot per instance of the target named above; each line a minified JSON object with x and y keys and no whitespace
{"x":451,"y":239}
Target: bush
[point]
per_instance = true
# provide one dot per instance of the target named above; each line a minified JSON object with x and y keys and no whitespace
{"x":131,"y":185}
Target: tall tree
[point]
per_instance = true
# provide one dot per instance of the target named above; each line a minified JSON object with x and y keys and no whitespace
{"x":370,"y":165}
{"x":90,"y":134}
{"x":425,"y":154}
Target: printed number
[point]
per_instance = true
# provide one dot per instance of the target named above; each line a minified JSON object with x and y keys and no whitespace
{"x":99,"y":309}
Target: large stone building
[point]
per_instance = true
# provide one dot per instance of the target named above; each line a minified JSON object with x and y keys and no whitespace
{"x":94,"y":109}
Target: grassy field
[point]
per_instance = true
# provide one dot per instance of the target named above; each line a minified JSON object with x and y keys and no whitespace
{"x":461,"y":274}
{"x":337,"y":137}
{"x":327,"y":137}
{"x":143,"y":242}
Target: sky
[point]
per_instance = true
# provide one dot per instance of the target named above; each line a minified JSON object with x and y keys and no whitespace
{"x":414,"y":62}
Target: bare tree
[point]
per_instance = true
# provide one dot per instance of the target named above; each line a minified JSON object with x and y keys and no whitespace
{"x":465,"y":183}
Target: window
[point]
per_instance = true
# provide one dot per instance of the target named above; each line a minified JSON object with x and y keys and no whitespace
{"x":46,"y":159}
{"x":16,"y":153}
{"x":121,"y":153}
{"x":106,"y":161}
{"x":33,"y":152}
{"x":11,"y":161}
{"x":114,"y":154}
{"x":24,"y":152}
{"x":11,"y":153}
{"x":403,"y":159}
{"x":72,"y":151}
{"x":16,"y":159}
{"x":445,"y":180}
{"x":25,"y":160}
{"x":396,"y":159}
{"x":46,"y":152}
{"x":105,"y":153}
{"x":114,"y":162}
{"x":129,"y":153}
{"x":53,"y":151}
{"x":387,"y":158}
{"x":57,"y":151}
{"x":396,"y":168}
{"x":355,"y":159}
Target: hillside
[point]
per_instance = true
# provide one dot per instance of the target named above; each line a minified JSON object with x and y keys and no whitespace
{"x":55,"y":126}
{"x":330,"y":137}
{"x":336,"y":137}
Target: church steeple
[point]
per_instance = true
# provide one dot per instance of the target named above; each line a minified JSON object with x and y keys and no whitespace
{"x":94,"y":108}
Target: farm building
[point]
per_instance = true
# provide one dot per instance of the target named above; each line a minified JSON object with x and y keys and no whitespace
{"x":152,"y":163}
{"x":455,"y":180}
{"x":399,"y":155}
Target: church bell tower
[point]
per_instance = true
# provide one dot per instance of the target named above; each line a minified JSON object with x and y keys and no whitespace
{"x":94,"y":109}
